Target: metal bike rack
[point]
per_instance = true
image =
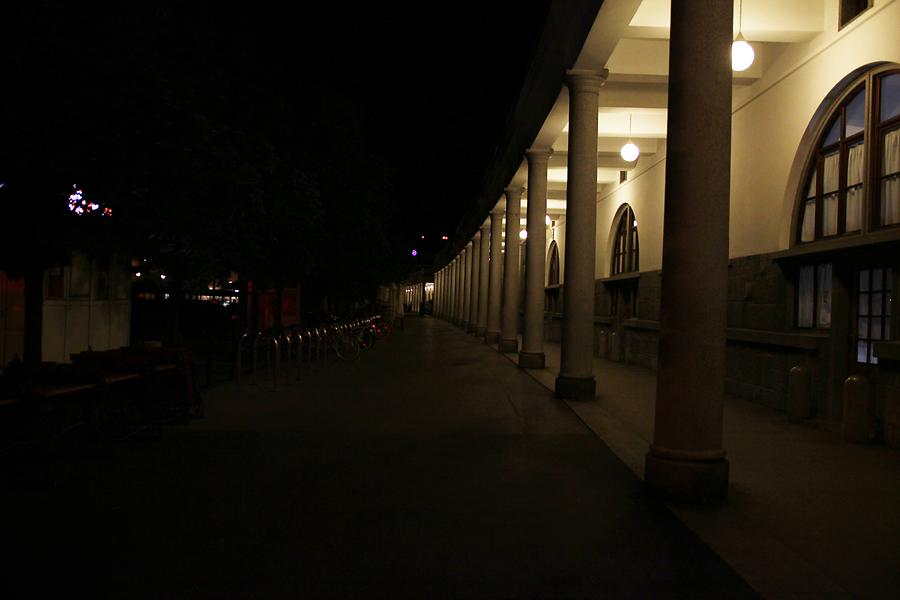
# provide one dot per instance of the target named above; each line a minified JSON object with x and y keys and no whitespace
{"x":238,"y":362}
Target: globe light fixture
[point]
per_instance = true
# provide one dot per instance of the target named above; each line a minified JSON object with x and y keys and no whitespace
{"x":548,"y":220}
{"x":629,"y":151}
{"x":742,"y":53}
{"x":415,"y":252}
{"x":523,"y":234}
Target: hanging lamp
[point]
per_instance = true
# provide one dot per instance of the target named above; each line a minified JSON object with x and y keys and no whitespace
{"x":629,"y":151}
{"x":742,"y":54}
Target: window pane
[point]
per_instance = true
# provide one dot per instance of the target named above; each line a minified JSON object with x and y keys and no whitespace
{"x":889,"y":280}
{"x":856,"y":114}
{"x":831,"y":172}
{"x":864,"y":281}
{"x":863,"y":330}
{"x":877,"y":276}
{"x":890,"y":96}
{"x":890,"y":184}
{"x":808,"y":231}
{"x":855,"y":168}
{"x":824,"y":300}
{"x":805,"y":297}
{"x":876,"y":304}
{"x":863,"y":304}
{"x":887,"y":329}
{"x":834,"y":133}
{"x":862,"y":352}
{"x":830,"y":214}
{"x":876,"y":329}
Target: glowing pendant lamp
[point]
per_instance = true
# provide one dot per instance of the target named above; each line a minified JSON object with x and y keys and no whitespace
{"x":742,"y":54}
{"x":629,"y":151}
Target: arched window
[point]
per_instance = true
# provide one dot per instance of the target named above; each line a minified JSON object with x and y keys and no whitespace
{"x":626,"y":250}
{"x":840,"y":195}
{"x":553,"y":264}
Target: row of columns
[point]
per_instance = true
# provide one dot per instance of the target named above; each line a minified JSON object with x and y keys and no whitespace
{"x":686,"y":459}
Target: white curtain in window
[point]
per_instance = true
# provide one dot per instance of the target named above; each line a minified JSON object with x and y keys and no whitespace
{"x":808,"y":228}
{"x":824,"y":299}
{"x":855,"y":167}
{"x":890,"y":186}
{"x":830,"y":180}
{"x":806,"y":288}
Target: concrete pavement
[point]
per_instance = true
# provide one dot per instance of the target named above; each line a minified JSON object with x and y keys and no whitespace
{"x":431,"y":467}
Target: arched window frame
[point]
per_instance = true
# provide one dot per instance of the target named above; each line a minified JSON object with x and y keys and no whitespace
{"x":553,"y":264}
{"x":871,"y":136}
{"x":626,"y":245}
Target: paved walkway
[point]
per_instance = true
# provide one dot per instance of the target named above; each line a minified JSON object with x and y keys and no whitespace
{"x":807,"y":515}
{"x":431,"y":467}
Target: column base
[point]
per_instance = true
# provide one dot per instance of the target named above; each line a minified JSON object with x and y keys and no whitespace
{"x":479,"y":331}
{"x":531,"y":360}
{"x":686,"y":480}
{"x":575,"y":388}
{"x":509,"y":346}
{"x":463,"y":325}
{"x":470,"y":328}
{"x":492,"y":337}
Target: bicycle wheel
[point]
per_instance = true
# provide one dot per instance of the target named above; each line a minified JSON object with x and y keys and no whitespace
{"x":384,"y":330}
{"x":346,"y":347}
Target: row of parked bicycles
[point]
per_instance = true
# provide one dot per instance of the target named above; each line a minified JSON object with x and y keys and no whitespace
{"x":283,"y":352}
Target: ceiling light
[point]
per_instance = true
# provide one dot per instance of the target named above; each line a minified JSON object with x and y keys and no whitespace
{"x":629,"y":151}
{"x":523,"y":234}
{"x":742,"y":54}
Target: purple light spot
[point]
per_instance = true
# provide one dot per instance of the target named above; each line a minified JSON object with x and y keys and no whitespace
{"x":415,"y":253}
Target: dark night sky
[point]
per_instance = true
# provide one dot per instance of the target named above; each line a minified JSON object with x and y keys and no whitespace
{"x":433,"y":83}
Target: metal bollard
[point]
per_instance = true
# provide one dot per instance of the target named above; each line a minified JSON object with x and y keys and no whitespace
{"x":857,"y":423}
{"x":799,"y":401}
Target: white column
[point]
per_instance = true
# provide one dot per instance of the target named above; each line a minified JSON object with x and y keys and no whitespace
{"x":474,"y":280}
{"x":460,"y":281}
{"x":532,"y":354}
{"x":437,"y":309}
{"x":509,"y":324}
{"x":461,"y":289}
{"x":495,"y":268}
{"x":576,"y":378}
{"x":483,"y":279}
{"x":467,"y":288}
{"x":456,"y":277}
{"x":686,"y":460}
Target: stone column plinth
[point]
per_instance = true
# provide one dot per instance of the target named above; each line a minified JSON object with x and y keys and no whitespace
{"x":532,"y":354}
{"x":509,"y":321}
{"x":483,"y":280}
{"x":576,"y":377}
{"x":686,"y":460}
{"x":474,"y":281}
{"x":495,"y":268}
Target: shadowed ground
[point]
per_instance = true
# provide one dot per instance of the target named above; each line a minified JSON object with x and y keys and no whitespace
{"x":429,"y":467}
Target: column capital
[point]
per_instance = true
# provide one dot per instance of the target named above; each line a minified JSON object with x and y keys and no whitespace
{"x":496,"y":211}
{"x":477,"y":236}
{"x":486,"y":226}
{"x":468,"y":246}
{"x":513,"y":194}
{"x":585,"y":80}
{"x":538,"y":155}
